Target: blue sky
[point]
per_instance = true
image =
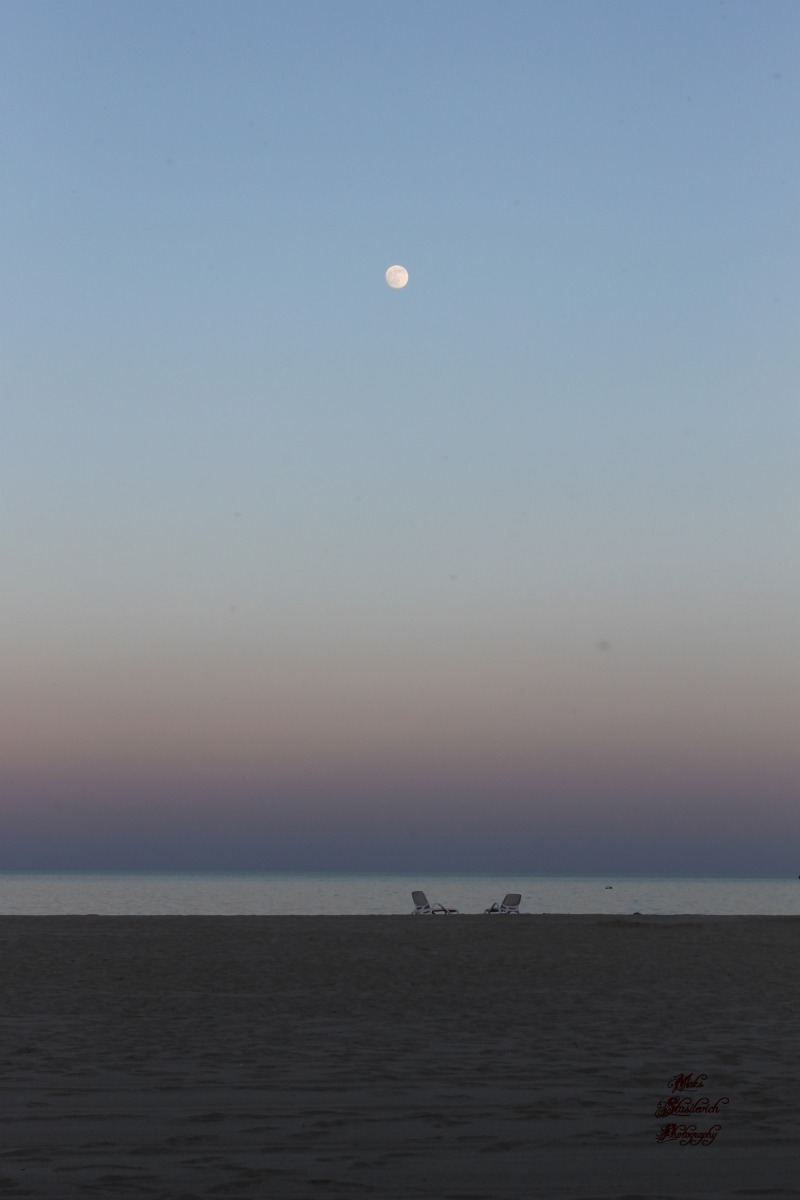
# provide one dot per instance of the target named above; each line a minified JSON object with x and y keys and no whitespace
{"x":499,"y":570}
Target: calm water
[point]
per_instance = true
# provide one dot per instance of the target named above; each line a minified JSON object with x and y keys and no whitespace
{"x":334,"y":894}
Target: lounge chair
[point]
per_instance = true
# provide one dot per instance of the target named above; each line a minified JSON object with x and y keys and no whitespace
{"x":423,"y":909}
{"x":510,"y":904}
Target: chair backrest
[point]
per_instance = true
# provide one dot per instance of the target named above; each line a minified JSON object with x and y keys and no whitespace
{"x":420,"y":899}
{"x":512,"y":900}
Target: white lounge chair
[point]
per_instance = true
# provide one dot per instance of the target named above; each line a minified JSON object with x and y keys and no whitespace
{"x":510,"y":904}
{"x":423,"y":909}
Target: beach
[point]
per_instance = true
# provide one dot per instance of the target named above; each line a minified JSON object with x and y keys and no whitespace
{"x":456,"y":1058}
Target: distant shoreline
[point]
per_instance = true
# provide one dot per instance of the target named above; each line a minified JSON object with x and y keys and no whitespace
{"x":457,"y":918}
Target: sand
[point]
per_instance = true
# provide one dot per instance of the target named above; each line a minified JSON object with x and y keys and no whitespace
{"x":456,"y":1058}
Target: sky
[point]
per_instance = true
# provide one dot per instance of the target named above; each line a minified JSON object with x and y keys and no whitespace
{"x":494,"y":572}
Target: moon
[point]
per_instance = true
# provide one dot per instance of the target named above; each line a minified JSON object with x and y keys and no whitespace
{"x":397,"y":276}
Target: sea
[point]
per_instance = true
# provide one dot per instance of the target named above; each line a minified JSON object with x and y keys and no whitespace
{"x":338,"y":894}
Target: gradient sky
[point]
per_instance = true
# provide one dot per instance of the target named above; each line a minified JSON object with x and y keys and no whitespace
{"x":497,"y":572}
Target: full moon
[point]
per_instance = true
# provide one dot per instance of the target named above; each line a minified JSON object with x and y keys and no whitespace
{"x":397,"y":277}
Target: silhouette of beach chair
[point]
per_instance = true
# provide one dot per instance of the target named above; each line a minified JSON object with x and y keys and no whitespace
{"x":423,"y":909}
{"x":509,"y":904}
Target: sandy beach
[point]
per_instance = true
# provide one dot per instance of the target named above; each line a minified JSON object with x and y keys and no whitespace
{"x":457,"y":1058}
